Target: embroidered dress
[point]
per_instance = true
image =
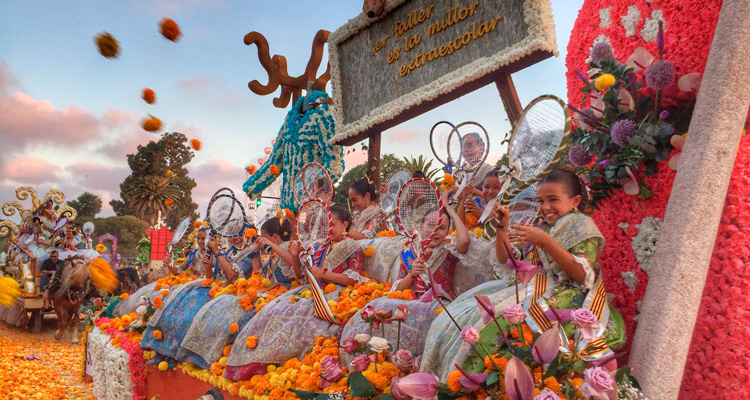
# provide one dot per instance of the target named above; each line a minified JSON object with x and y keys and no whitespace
{"x":286,"y":330}
{"x":366,"y":221}
{"x":129,"y":305}
{"x":280,"y":271}
{"x":575,"y":232}
{"x":181,"y":308}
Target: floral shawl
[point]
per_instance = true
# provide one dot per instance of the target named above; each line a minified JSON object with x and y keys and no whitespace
{"x":365,"y":221}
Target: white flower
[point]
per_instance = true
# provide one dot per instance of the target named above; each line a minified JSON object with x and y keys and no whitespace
{"x":604,"y":19}
{"x":141,"y":310}
{"x":362,"y":338}
{"x":651,"y":26}
{"x":138,"y":323}
{"x":378,"y":344}
{"x":630,"y":20}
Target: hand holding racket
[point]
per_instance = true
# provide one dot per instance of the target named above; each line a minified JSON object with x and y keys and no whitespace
{"x":468,"y":147}
{"x":178,"y":234}
{"x":389,"y":196}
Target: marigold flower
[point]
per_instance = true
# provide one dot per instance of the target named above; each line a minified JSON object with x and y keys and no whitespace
{"x":157,"y":301}
{"x":152,"y":124}
{"x":234,"y":327}
{"x":604,"y":81}
{"x":158,"y":335}
{"x":124,"y":296}
{"x":169,"y":29}
{"x":251,"y":233}
{"x":251,"y":342}
{"x":149,"y":96}
{"x":108,"y":46}
{"x":453,"y":384}
{"x":250,"y":169}
{"x":195,"y":144}
{"x":197,"y":224}
{"x":165,"y":292}
{"x":274,"y":170}
{"x":369,"y":251}
{"x":168,"y":202}
{"x":170,"y":173}
{"x":163,"y":366}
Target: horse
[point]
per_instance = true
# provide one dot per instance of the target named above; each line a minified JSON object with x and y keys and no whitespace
{"x":75,"y":287}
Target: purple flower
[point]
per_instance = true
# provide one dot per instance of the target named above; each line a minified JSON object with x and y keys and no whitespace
{"x":546,"y":394}
{"x":331,"y":369}
{"x":420,"y":385}
{"x":664,"y":115}
{"x":603,"y":163}
{"x":514,"y":314}
{"x":469,"y":334}
{"x":396,"y":390}
{"x":361,"y":362}
{"x":600,"y":52}
{"x":519,"y":384}
{"x":622,"y":130}
{"x":582,"y":77}
{"x":486,"y":308}
{"x":598,"y":383}
{"x":660,"y":37}
{"x":579,"y":156}
{"x":404,"y":360}
{"x":546,"y":346}
{"x":430,"y":294}
{"x":586,"y":321}
{"x":660,"y":74}
{"x":470,"y":382}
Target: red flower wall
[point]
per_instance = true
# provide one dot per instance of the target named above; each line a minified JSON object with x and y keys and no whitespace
{"x":720,"y":348}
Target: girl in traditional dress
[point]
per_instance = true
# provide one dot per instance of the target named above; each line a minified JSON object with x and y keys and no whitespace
{"x":567,"y":245}
{"x":442,"y":259}
{"x":283,"y":264}
{"x":179,"y":309}
{"x":474,"y":205}
{"x":286,"y":330}
{"x":364,"y":198}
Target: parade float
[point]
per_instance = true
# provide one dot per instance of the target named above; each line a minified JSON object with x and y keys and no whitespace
{"x":625,"y":60}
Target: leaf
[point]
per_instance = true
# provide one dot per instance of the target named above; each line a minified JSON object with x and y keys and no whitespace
{"x":359,"y":386}
{"x":308,"y":395}
{"x":385,"y":397}
{"x":552,"y":368}
{"x":492,"y":379}
{"x":645,"y":193}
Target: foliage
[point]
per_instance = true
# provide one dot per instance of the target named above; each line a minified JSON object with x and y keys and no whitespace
{"x":149,"y":166}
{"x":388,"y":164}
{"x":128,"y":230}
{"x":422,"y":164}
{"x":87,"y":204}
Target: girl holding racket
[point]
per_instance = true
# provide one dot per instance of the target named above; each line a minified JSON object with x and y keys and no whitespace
{"x":194,"y":260}
{"x":284,"y":261}
{"x":469,"y":204}
{"x":364,"y":198}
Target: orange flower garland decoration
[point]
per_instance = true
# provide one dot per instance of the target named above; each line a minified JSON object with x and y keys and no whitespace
{"x":234,"y":327}
{"x":352,"y":298}
{"x":407,"y":294}
{"x":108,"y":46}
{"x":124,"y":296}
{"x":251,"y":342}
{"x":170,"y":173}
{"x":387,"y":233}
{"x":368,"y":251}
{"x":250,"y":169}
{"x":251,"y":233}
{"x":158,"y":335}
{"x":157,"y":302}
{"x":274,"y":170}
{"x":170,"y":30}
{"x":195,"y":144}
{"x":197,"y":224}
{"x":168,"y":202}
{"x":149,"y":96}
{"x":152,"y":124}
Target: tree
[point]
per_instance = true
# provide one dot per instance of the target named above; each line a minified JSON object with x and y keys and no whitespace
{"x":388,"y":164}
{"x":421,"y":164}
{"x":118,"y":206}
{"x":87,"y":204}
{"x":149,"y":166}
{"x":128,"y":230}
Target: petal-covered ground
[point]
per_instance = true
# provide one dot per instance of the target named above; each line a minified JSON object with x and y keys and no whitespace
{"x":36,"y":366}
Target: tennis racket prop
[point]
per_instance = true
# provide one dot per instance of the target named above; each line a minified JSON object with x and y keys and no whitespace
{"x":420,"y":211}
{"x":314,"y":231}
{"x":313,"y":182}
{"x":226,"y":218}
{"x":468,"y":147}
{"x":178,"y":234}
{"x":439,"y":135}
{"x":388,"y":200}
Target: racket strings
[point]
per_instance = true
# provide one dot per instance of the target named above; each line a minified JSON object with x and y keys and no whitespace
{"x":468,"y":146}
{"x":313,"y":222}
{"x":313,"y":182}
{"x":538,"y":138}
{"x":419,"y":209}
{"x":394,"y":184}
{"x":439,"y":139}
{"x":226,"y":216}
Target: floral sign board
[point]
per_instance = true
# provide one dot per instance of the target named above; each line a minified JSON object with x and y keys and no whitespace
{"x":424,"y":49}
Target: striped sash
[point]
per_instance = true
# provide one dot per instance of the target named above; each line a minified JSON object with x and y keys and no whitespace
{"x":322,"y":310}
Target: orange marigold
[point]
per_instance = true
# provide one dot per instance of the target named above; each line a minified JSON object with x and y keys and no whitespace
{"x":234,"y":327}
{"x":251,"y":342}
{"x":124,"y":296}
{"x":226,"y":350}
{"x":149,"y":96}
{"x":329,"y":288}
{"x":250,"y":169}
{"x":438,"y":311}
{"x":165,"y":292}
{"x":251,"y":233}
{"x":195,"y":144}
{"x":453,"y":383}
{"x":369,"y":251}
{"x":197,"y":224}
{"x":158,"y":335}
{"x":108,"y":46}
{"x":168,"y":202}
{"x":274,"y":170}
{"x":152,"y":124}
{"x":169,"y":29}
{"x":157,"y":301}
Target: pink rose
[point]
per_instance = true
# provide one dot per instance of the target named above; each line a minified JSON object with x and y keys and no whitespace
{"x":361,"y":362}
{"x":367,"y":313}
{"x":417,"y":363}
{"x":514,"y":314}
{"x":402,"y":311}
{"x":331,"y":369}
{"x":404,"y":360}
{"x":469,"y":334}
{"x":586,"y":321}
{"x":384,"y":316}
{"x":396,"y":391}
{"x":599,"y":384}
{"x":350,"y":345}
{"x":546,"y":394}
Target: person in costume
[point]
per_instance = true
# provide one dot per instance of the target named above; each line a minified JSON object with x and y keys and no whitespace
{"x":442,"y":259}
{"x":472,"y":204}
{"x":177,"y":312}
{"x":364,"y":198}
{"x":472,"y":148}
{"x":566,"y":246}
{"x":194,"y":260}
{"x":286,"y":330}
{"x":283,"y":264}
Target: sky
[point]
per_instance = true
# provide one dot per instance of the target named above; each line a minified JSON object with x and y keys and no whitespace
{"x":69,"y":117}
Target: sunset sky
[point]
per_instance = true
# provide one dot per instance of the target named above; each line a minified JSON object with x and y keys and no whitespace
{"x":68,"y":116}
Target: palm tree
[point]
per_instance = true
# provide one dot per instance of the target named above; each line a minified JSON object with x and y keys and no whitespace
{"x":149,"y":196}
{"x":421,"y":164}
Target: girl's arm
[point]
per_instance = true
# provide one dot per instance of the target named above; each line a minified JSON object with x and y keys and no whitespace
{"x":357,"y":235}
{"x":256,"y":264}
{"x":502,"y":235}
{"x":462,"y":234}
{"x":332,"y":277}
{"x":296,"y":262}
{"x":418,"y":267}
{"x":530,"y":235}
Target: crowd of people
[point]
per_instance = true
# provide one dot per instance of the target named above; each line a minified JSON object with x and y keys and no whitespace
{"x":565,"y":244}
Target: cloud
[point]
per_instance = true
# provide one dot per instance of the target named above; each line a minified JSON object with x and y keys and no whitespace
{"x":215,"y":92}
{"x":402,"y":136}
{"x":30,"y":170}
{"x":212,"y":176}
{"x":169,"y":7}
{"x":25,"y":120}
{"x":8,"y":80}
{"x":95,"y":176}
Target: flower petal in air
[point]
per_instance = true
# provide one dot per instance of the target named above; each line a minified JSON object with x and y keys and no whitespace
{"x":486,"y":308}
{"x":690,"y":82}
{"x":546,"y":346}
{"x":519,"y":384}
{"x":420,"y":385}
{"x":640,"y":59}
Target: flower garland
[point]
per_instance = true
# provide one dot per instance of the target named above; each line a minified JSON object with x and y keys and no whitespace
{"x":123,"y":349}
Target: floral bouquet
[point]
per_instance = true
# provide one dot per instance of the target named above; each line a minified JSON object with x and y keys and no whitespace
{"x":635,"y":110}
